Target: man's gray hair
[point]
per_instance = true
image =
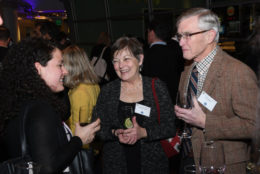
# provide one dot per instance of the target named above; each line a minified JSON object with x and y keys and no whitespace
{"x":207,"y":19}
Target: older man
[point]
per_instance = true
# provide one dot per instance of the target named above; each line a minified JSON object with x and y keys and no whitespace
{"x":223,"y":89}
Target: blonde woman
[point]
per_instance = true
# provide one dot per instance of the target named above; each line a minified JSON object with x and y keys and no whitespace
{"x":83,"y":84}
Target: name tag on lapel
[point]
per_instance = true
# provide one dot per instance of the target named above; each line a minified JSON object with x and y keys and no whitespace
{"x":207,"y":101}
{"x":142,"y":110}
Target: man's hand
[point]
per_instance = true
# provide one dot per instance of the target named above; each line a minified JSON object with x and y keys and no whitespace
{"x":194,"y":116}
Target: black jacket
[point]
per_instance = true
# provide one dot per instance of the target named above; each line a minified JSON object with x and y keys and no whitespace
{"x":153,"y":158}
{"x":46,"y":139}
{"x":166,"y":63}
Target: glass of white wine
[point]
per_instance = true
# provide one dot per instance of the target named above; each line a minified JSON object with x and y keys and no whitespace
{"x":185,"y":103}
{"x":212,"y":158}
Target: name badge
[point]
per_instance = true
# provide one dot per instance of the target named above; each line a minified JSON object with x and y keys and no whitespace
{"x":142,"y":110}
{"x":207,"y":101}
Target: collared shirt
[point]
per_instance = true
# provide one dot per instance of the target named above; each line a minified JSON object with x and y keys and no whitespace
{"x":203,"y":67}
{"x":158,"y":43}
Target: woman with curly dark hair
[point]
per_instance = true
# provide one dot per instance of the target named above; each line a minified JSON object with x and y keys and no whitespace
{"x":32,"y":75}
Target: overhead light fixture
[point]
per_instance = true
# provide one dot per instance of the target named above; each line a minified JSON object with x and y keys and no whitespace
{"x":41,"y":17}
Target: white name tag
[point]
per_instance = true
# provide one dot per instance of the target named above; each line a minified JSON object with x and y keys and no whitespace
{"x":142,"y":110}
{"x":207,"y":101}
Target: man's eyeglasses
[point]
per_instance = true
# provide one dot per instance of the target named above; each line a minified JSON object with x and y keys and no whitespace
{"x":188,"y":35}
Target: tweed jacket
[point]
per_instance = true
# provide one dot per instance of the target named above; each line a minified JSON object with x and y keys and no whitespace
{"x":153,"y":158}
{"x":234,"y":86}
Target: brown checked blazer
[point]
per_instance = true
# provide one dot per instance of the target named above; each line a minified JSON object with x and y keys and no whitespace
{"x":234,"y":86}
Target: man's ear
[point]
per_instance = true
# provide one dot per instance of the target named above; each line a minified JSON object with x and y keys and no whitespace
{"x":38,"y":66}
{"x":211,"y":36}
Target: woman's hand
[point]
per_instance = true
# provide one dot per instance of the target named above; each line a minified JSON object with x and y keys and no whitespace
{"x":87,"y":133}
{"x":131,"y":135}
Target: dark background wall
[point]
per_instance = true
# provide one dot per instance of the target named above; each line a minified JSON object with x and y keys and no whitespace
{"x":121,"y":17}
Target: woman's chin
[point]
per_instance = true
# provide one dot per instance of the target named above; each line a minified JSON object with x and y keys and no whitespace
{"x":57,"y":89}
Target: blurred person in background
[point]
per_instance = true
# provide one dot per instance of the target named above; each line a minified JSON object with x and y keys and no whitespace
{"x":46,"y":30}
{"x":83,"y":84}
{"x":103,"y":43}
{"x":4,"y":43}
{"x":161,"y":59}
{"x":83,"y":92}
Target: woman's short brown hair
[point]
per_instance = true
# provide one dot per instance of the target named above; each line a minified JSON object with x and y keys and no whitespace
{"x":130,"y":43}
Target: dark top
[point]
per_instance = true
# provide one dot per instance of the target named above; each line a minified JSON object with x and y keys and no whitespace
{"x":3,"y":51}
{"x":166,"y":63}
{"x":153,"y":158}
{"x":132,"y":152}
{"x":47,"y":142}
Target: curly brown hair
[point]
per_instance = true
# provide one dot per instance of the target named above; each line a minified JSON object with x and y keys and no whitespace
{"x":20,"y":81}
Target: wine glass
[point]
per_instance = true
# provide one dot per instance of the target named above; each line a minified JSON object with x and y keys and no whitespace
{"x":212,"y":158}
{"x":190,"y":169}
{"x":187,"y":103}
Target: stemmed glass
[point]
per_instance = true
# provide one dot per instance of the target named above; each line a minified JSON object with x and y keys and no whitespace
{"x":212,"y":158}
{"x":187,"y":104}
{"x":190,"y":169}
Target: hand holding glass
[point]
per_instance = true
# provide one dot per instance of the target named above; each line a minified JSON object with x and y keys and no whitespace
{"x":186,"y":103}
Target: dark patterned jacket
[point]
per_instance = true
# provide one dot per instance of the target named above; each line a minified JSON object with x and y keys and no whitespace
{"x":153,"y":158}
